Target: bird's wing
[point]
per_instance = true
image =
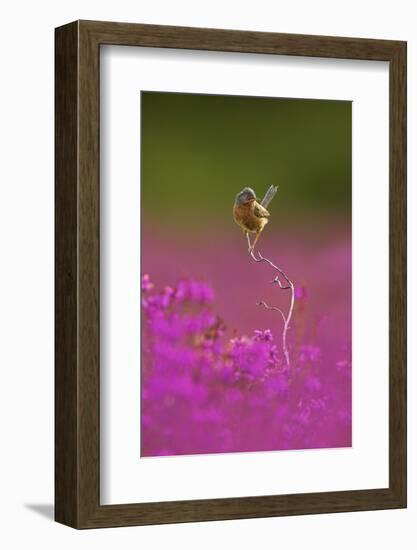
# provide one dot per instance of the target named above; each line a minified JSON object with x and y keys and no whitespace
{"x":260,"y":211}
{"x":269,"y":195}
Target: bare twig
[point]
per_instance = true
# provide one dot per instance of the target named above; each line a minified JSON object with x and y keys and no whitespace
{"x":266,"y":306}
{"x":288,"y":285}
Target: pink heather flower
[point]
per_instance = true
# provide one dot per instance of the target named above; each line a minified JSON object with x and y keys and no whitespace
{"x":312,"y":384}
{"x":273,"y":355}
{"x":239,"y":342}
{"x":154,"y":304}
{"x":201,"y":292}
{"x":345,"y":416}
{"x":194,"y":291}
{"x":146,"y":283}
{"x":309,"y":353}
{"x":205,"y":393}
{"x":344,"y":367}
{"x":304,"y":416}
{"x":277,"y":384}
{"x":263,"y":335}
{"x":195,"y":324}
{"x":318,"y":404}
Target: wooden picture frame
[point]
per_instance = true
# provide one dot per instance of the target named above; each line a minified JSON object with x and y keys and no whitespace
{"x":77,"y":382}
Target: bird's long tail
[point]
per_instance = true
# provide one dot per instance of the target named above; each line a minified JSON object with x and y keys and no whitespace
{"x":269,"y":195}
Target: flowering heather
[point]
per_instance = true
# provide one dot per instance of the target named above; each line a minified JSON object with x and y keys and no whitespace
{"x":206,"y":392}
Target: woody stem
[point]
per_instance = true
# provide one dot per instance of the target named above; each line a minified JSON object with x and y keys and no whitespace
{"x":287,"y":286}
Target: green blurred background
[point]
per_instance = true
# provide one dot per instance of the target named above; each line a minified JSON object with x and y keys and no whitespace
{"x":198,"y":151}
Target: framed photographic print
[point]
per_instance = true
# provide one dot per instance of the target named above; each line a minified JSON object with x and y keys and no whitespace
{"x":230,"y":274}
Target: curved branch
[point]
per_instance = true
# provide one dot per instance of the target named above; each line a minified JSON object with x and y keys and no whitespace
{"x":266,"y":306}
{"x":288,"y":285}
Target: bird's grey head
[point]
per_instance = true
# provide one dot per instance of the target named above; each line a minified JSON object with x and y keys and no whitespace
{"x":247,"y":194}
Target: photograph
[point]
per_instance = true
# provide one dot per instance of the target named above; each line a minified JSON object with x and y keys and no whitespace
{"x":246,"y":274}
{"x":208,"y":271}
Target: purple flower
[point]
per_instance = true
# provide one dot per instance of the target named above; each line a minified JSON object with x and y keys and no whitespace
{"x":309,"y":353}
{"x":194,"y":324}
{"x":250,"y":357}
{"x":273,"y":356}
{"x":194,"y":291}
{"x":263,"y":335}
{"x":277,"y":384}
{"x":318,"y":404}
{"x":155,"y":304}
{"x":343,"y":366}
{"x":204,"y":392}
{"x":312,"y":384}
{"x":146,"y":283}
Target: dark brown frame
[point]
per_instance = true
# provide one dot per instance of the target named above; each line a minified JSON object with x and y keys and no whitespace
{"x":77,"y":373}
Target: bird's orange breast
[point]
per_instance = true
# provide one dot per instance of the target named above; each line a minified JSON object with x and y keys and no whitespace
{"x":245,"y":217}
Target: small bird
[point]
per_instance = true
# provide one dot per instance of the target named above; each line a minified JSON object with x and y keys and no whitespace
{"x":251,"y":215}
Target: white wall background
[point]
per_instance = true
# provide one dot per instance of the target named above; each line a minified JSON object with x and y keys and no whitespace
{"x":26,"y":273}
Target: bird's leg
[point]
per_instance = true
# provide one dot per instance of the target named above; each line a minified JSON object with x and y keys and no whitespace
{"x":249,"y":243}
{"x":255,"y":241}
